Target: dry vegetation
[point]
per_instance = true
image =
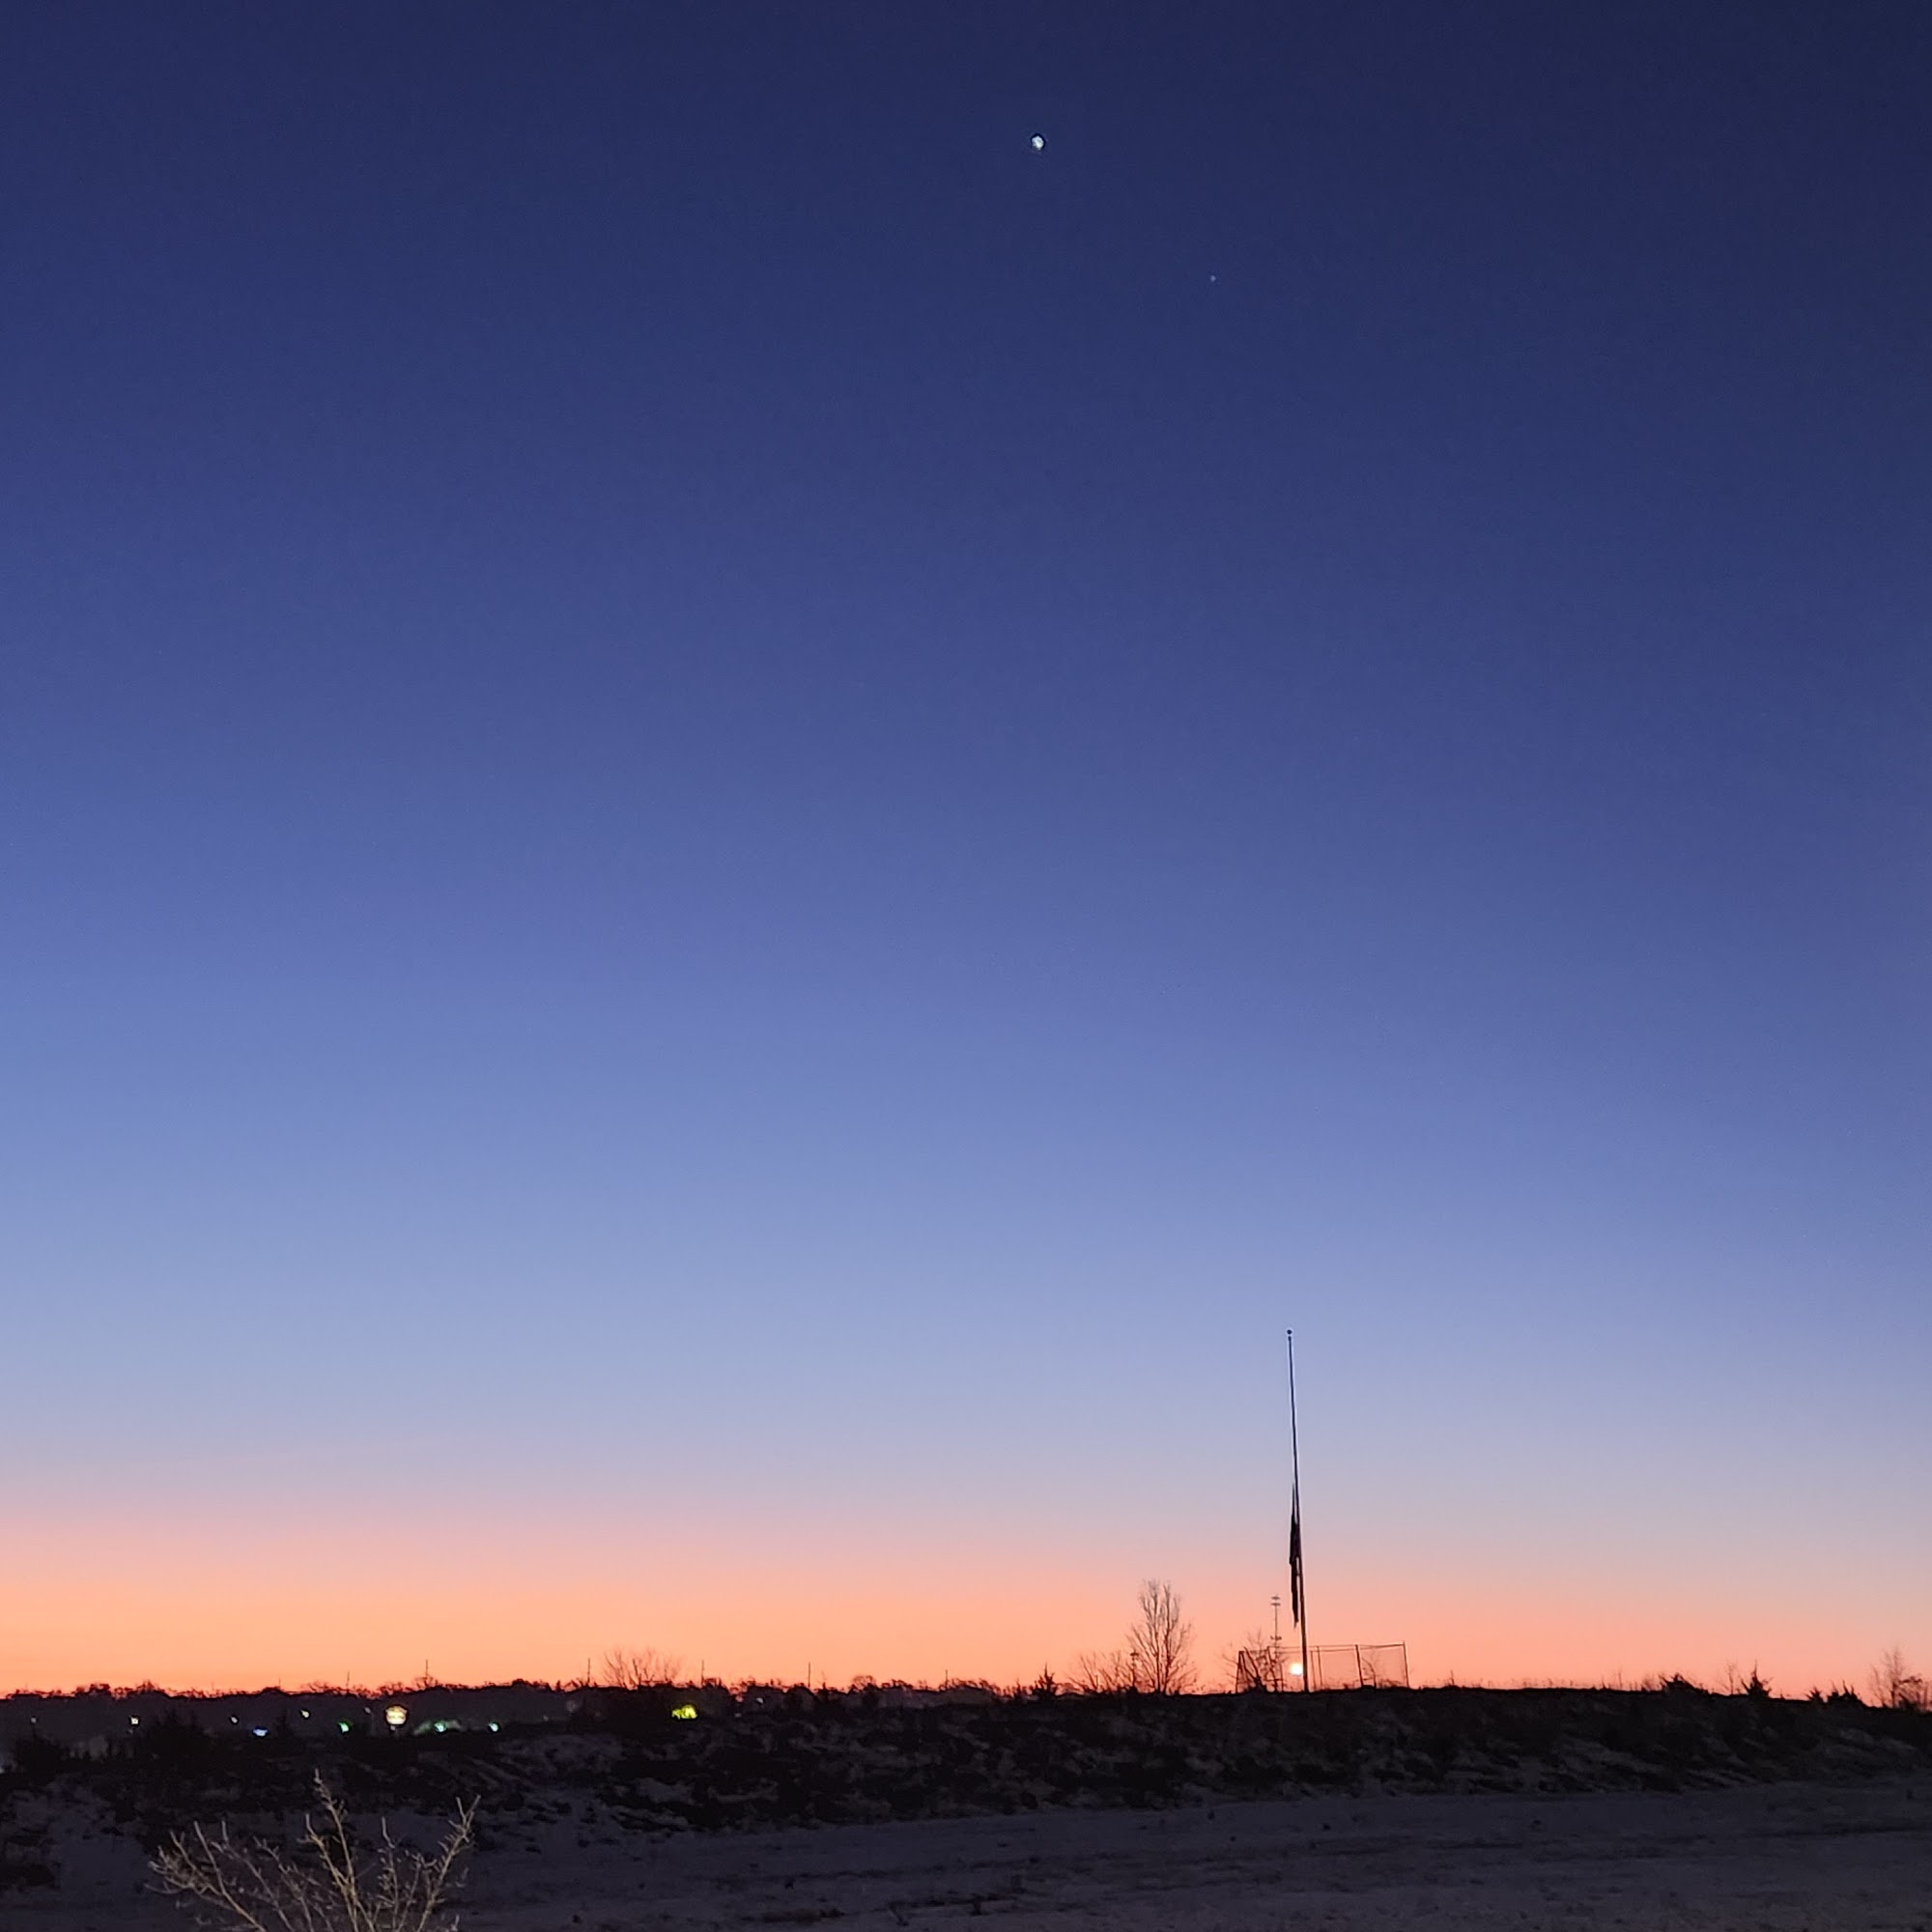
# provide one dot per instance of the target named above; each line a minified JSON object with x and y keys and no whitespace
{"x":326,"y":1882}
{"x":624,"y":1766}
{"x":1896,"y":1687}
{"x":1157,"y":1656}
{"x":643,"y":1669}
{"x":255,"y":1827}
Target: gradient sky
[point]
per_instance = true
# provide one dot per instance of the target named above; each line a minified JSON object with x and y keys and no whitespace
{"x":740,"y":827}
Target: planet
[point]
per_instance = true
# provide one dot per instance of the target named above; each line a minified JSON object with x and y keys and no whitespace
{"x":1038,"y":142}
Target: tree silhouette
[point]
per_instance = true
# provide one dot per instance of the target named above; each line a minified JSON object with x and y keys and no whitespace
{"x":1161,"y":1642}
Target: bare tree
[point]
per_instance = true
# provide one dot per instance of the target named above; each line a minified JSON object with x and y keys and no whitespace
{"x":644,"y":1669}
{"x":1157,"y":1656}
{"x":1896,"y":1687}
{"x":324,"y":1885}
{"x":1161,"y":1642}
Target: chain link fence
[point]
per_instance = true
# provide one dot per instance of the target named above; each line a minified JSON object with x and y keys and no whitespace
{"x":1359,"y":1666}
{"x":1331,"y":1666}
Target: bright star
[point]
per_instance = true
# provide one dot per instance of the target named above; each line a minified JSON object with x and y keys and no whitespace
{"x":1038,"y":142}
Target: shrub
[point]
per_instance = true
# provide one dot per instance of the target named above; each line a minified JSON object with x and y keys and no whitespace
{"x":324,"y":1885}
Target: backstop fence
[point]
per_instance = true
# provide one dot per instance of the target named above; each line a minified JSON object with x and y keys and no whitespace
{"x":1260,"y":1669}
{"x":1359,"y":1666}
{"x":1331,"y":1666}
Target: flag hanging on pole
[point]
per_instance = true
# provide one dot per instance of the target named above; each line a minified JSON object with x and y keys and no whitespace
{"x":1297,"y":1596}
{"x":1295,"y":1556}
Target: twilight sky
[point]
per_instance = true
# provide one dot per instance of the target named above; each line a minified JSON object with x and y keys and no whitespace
{"x":739,"y":827}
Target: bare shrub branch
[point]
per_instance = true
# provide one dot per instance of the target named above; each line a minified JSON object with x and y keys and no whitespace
{"x":1097,"y":1672}
{"x":323,"y":1884}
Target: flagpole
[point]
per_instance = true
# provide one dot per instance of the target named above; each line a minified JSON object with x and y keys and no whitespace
{"x":1297,"y":1588}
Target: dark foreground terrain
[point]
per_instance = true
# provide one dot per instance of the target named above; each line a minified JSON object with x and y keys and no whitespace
{"x":1464,"y":1807}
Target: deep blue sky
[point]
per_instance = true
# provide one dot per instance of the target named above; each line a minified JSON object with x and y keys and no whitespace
{"x":720,"y":795}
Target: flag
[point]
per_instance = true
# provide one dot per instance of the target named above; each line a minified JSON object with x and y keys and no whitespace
{"x":1294,"y":1558}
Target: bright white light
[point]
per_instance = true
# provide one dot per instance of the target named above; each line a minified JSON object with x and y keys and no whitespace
{"x":396,"y":1716}
{"x":1294,"y":1671}
{"x":1038,"y":142}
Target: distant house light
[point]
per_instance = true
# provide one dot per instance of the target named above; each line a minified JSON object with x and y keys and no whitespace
{"x":685,"y":1711}
{"x":304,"y":1713}
{"x":342,"y":1725}
{"x":493,"y":1725}
{"x":261,"y":1730}
{"x":396,"y":1716}
{"x":133,"y":1720}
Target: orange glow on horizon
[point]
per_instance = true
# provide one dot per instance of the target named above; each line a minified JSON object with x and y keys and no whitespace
{"x":339,"y":1608}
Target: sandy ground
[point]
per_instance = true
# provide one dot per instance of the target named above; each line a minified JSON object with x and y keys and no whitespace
{"x":1765,"y":1856}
